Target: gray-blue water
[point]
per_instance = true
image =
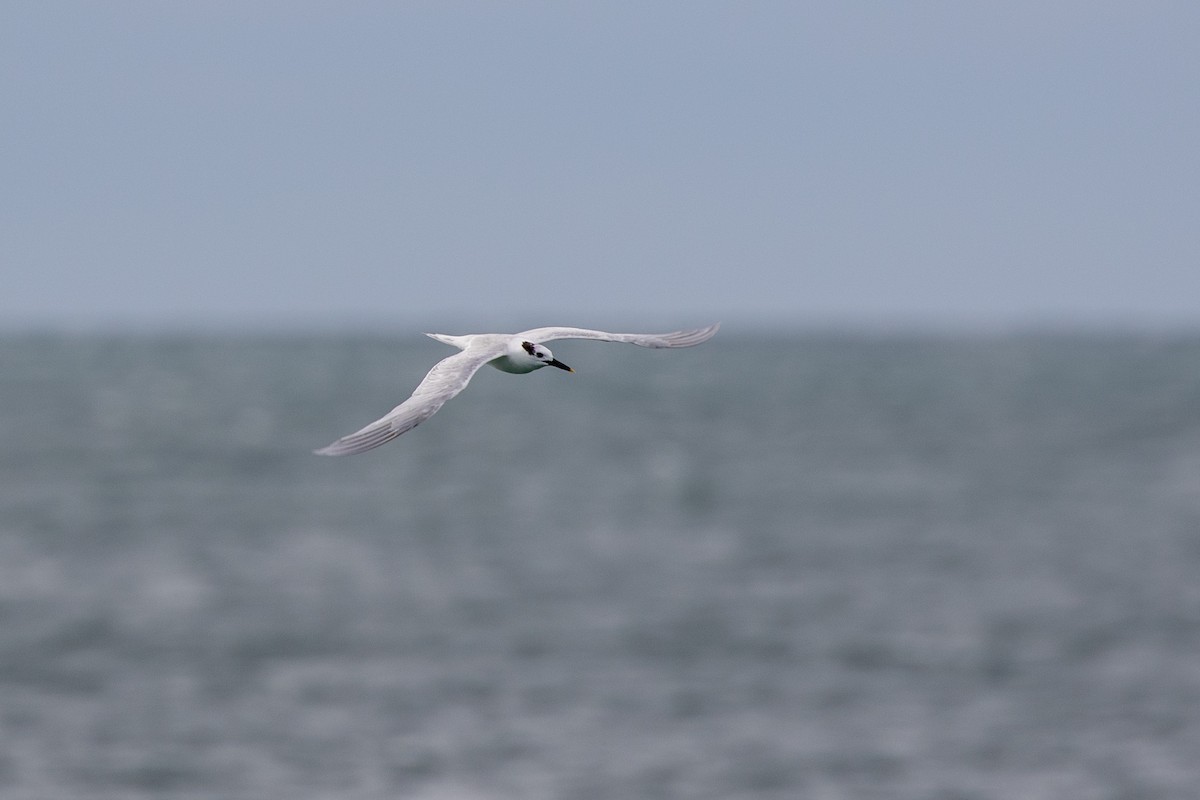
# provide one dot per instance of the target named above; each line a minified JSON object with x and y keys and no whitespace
{"x":827,"y":567}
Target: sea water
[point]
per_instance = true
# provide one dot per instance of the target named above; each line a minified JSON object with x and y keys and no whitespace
{"x":816,"y":566}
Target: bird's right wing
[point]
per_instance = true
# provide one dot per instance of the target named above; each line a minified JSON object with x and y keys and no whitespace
{"x":688,"y":338}
{"x":447,"y":378}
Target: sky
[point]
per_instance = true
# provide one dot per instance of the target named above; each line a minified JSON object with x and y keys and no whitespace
{"x":468,"y":165}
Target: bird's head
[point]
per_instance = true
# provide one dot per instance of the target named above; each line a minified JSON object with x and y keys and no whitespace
{"x":542,"y":355}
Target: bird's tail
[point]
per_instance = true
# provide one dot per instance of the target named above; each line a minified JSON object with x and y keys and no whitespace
{"x":457,"y":341}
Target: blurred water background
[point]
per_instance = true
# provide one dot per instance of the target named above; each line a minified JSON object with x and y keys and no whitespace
{"x":830,"y":566}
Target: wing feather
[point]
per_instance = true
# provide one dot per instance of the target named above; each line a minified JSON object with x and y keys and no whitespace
{"x":447,"y":378}
{"x":686,"y":338}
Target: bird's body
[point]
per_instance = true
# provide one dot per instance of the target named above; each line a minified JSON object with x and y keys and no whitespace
{"x":517,"y":353}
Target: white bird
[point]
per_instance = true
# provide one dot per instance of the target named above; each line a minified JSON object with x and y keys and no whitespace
{"x":510,"y":352}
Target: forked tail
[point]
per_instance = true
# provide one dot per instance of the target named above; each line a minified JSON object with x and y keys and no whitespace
{"x":460,"y":342}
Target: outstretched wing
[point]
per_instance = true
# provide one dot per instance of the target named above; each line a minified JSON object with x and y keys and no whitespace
{"x":687,"y":338}
{"x":447,"y":378}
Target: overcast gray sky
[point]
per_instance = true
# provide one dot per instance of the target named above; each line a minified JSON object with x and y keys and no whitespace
{"x":504,"y":164}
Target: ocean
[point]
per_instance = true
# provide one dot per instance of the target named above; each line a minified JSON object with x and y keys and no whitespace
{"x":819,"y":566}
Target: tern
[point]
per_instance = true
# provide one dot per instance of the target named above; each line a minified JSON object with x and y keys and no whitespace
{"x":509,"y":352}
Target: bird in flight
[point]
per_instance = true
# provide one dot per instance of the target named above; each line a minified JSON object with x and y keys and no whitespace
{"x":509,"y":352}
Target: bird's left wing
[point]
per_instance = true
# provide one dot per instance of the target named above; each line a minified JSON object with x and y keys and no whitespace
{"x":447,"y":378}
{"x":688,"y":338}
